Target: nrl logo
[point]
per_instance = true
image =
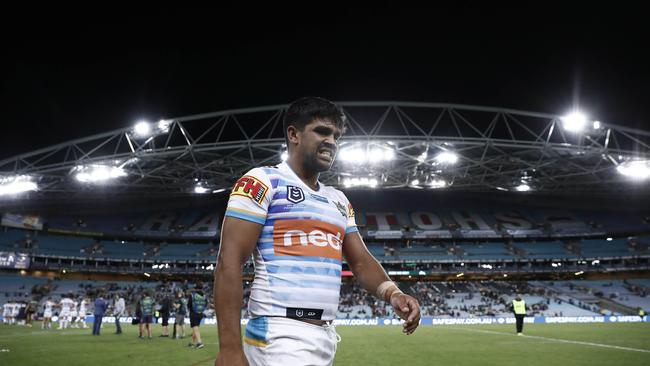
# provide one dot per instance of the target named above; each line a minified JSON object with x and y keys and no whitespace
{"x":295,"y":194}
{"x":341,"y":209}
{"x":299,"y":313}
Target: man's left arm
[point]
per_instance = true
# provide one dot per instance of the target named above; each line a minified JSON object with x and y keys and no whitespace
{"x":373,"y":278}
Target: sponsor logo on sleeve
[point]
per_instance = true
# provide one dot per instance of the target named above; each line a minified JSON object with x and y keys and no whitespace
{"x":250,"y":187}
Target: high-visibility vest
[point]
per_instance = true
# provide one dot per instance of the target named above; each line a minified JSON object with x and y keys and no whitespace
{"x":519,"y":306}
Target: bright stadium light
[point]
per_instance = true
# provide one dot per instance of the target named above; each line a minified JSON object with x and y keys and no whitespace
{"x":574,"y":121}
{"x":415,"y":182}
{"x":360,"y":182}
{"x":597,"y":125}
{"x":16,"y":184}
{"x":163,"y":126}
{"x":98,"y":173}
{"x":142,"y":129}
{"x":447,"y":157}
{"x":200,"y":189}
{"x":437,"y":183}
{"x":636,"y":169}
{"x":362,"y":155}
{"x":219,"y":190}
{"x":522,"y":188}
{"x":609,"y":239}
{"x":284,"y":156}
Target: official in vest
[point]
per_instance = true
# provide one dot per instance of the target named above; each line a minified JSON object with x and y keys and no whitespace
{"x":519,"y":308}
{"x":197,"y":304}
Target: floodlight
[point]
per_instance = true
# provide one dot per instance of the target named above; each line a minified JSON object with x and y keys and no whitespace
{"x":447,"y":157}
{"x":574,"y":122}
{"x":637,"y":169}
{"x":16,"y":184}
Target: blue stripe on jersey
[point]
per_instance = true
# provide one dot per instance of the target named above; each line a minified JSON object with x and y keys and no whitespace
{"x":275,"y":281}
{"x":351,"y":229}
{"x":272,"y":257}
{"x":257,"y":328}
{"x":246,"y":217}
{"x":275,"y":269}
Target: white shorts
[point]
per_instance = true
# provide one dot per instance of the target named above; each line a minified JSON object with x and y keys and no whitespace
{"x":271,"y":341}
{"x":64,"y":315}
{"x":47,"y":314}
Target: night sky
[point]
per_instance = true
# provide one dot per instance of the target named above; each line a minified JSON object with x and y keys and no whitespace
{"x":66,"y":77}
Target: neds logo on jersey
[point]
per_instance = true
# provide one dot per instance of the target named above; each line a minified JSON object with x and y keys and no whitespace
{"x":307,"y":238}
{"x":250,"y":187}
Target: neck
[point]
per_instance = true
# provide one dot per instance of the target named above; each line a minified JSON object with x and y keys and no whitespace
{"x":309,"y":178}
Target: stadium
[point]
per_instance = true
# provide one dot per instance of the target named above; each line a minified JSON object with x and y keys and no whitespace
{"x":464,"y":206}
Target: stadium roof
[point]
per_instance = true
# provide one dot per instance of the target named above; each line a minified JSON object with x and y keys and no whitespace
{"x":391,"y":144}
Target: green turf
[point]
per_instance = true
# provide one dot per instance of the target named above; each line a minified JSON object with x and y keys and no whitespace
{"x":430,"y":345}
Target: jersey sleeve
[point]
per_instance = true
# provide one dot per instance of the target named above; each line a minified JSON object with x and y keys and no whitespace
{"x":250,"y":197}
{"x":351,"y":225}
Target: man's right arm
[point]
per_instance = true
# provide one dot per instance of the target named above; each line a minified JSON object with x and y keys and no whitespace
{"x":238,"y":240}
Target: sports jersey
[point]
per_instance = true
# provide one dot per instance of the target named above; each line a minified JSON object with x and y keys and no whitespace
{"x":299,"y":252}
{"x":146,"y":306}
{"x":66,"y":305}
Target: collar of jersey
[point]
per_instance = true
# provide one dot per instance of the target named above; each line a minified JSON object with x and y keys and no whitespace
{"x":288,"y":168}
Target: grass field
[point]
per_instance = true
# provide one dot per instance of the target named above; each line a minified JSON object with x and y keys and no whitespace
{"x":544,"y":344}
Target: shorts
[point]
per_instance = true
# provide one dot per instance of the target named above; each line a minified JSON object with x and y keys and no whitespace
{"x":180,"y":319}
{"x":146,"y":319}
{"x":279,"y":341}
{"x":47,"y":314}
{"x":195,"y":319}
{"x":165,"y":320}
{"x":64,"y":315}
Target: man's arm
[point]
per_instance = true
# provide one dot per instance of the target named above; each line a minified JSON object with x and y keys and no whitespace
{"x":238,"y":240}
{"x":373,"y":278}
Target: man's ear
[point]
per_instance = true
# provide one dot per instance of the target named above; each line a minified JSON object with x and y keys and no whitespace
{"x":292,"y":134}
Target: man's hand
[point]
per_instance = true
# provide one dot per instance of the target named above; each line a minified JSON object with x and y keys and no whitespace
{"x":234,"y":358}
{"x":408,"y":308}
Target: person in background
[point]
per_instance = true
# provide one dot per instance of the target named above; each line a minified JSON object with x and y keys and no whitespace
{"x":519,"y":308}
{"x":100,"y":309}
{"x":180,"y":308}
{"x":147,"y":306}
{"x":197,"y":304}
{"x":165,"y":308}
{"x":118,"y":311}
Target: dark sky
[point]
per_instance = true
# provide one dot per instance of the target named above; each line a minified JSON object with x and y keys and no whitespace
{"x":65,"y":76}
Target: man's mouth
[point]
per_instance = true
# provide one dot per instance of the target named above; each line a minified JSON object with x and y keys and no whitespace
{"x":326,"y":154}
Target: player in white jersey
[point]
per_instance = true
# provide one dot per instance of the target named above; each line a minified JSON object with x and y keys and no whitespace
{"x":7,"y":309}
{"x":47,"y":314}
{"x":298,"y":231}
{"x":83,"y":309}
{"x":64,"y":315}
{"x":15,"y":309}
{"x":73,"y":315}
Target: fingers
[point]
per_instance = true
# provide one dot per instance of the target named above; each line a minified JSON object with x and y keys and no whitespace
{"x":412,"y":317}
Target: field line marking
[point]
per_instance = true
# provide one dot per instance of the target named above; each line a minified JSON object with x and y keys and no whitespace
{"x":558,"y":340}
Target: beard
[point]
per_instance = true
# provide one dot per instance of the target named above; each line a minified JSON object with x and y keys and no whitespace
{"x":314,"y":164}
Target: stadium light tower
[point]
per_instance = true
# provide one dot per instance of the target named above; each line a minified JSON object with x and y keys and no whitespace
{"x":16,"y":184}
{"x":144,"y":129}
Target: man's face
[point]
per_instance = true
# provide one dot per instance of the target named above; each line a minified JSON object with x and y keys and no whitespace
{"x":318,"y":144}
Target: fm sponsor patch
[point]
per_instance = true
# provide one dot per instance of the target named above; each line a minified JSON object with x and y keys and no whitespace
{"x":250,"y":187}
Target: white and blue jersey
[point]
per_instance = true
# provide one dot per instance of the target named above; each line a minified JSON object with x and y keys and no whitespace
{"x":299,"y":252}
